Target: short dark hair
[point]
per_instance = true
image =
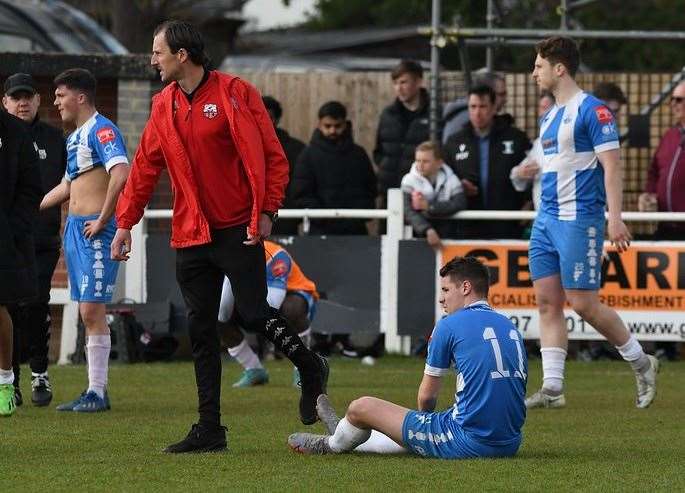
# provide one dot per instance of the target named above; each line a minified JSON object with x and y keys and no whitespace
{"x":559,"y":49}
{"x":183,"y":35}
{"x":333,"y":109}
{"x":468,"y":269}
{"x":488,"y":78}
{"x":484,"y":90}
{"x":78,"y":79}
{"x":407,"y":67}
{"x":273,"y":106}
{"x":608,"y":91}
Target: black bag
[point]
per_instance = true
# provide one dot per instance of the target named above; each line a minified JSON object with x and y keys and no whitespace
{"x":140,"y":332}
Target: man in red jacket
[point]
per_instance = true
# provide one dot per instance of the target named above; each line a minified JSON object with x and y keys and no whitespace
{"x":228,"y":172}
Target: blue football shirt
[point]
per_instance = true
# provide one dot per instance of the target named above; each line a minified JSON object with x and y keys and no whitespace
{"x":572,"y":177}
{"x":488,"y":355}
{"x":98,"y":142}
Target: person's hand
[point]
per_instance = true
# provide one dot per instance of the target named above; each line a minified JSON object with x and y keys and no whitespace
{"x":92,"y":227}
{"x":121,"y":245}
{"x":470,"y":189}
{"x":647,"y":202}
{"x":528,"y":170}
{"x":619,"y":235}
{"x":418,"y":201}
{"x":263,"y":230}
{"x":433,"y":238}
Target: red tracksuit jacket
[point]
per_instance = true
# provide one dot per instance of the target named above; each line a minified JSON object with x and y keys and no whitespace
{"x":160,"y":146}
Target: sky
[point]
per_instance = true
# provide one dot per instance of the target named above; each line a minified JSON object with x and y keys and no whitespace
{"x":272,"y":13}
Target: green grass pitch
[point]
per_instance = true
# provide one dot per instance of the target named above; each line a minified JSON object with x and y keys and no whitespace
{"x":599,"y":442}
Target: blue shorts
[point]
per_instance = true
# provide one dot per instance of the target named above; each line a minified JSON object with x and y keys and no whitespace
{"x":572,"y":249}
{"x":311,"y":303}
{"x":436,"y":434}
{"x":92,"y":273}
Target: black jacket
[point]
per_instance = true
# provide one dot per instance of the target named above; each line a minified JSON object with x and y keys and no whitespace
{"x":52,"y":159}
{"x":20,"y":195}
{"x":399,"y":132}
{"x":292,"y":148}
{"x":508,"y":146}
{"x":334,"y":175}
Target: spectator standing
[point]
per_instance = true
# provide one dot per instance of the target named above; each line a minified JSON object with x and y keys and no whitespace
{"x":431,"y":192}
{"x":482,"y":155}
{"x":665,"y":190}
{"x":456,"y":115}
{"x":20,"y":195}
{"x":402,"y":126}
{"x":334,"y":173}
{"x":292,"y":148}
{"x":32,"y":321}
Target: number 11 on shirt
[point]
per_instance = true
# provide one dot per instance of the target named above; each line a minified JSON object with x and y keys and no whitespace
{"x":500,"y":372}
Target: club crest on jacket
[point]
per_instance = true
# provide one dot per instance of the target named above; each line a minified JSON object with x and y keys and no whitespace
{"x":210,"y":110}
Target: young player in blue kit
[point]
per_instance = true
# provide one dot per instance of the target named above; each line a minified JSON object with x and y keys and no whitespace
{"x":581,"y":176}
{"x":487,"y":353}
{"x":97,"y":168}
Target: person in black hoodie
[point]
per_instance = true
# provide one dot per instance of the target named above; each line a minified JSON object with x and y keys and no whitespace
{"x":20,"y":195}
{"x":32,"y":321}
{"x":482,"y":155}
{"x":402,"y":126}
{"x":292,"y":148}
{"x":334,"y":173}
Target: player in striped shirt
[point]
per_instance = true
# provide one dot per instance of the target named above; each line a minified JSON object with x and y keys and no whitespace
{"x":97,"y":169}
{"x":581,"y":176}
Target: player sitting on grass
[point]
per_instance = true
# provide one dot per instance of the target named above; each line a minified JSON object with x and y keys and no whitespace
{"x":486,"y":351}
{"x":289,"y":291}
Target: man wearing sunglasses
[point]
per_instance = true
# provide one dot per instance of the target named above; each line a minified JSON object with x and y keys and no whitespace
{"x":666,"y":175}
{"x":665,"y":185}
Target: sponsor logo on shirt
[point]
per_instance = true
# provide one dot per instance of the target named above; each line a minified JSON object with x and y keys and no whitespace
{"x":508,"y":147}
{"x":603,"y":114}
{"x":105,"y":134}
{"x":278,"y":268}
{"x":609,"y":129}
{"x":549,"y":146}
{"x":210,"y":110}
{"x":110,"y":149}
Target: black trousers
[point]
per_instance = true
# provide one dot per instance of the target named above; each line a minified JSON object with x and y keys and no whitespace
{"x":199,"y":272}
{"x":31,"y":321}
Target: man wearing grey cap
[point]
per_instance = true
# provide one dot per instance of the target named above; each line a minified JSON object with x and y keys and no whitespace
{"x":32,"y":321}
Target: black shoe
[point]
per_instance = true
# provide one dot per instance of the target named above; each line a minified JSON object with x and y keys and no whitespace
{"x":200,"y":439}
{"x":313,"y":385}
{"x":18,"y":399}
{"x":41,"y":391}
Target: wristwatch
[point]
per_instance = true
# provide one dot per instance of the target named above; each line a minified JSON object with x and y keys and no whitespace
{"x":272,"y":215}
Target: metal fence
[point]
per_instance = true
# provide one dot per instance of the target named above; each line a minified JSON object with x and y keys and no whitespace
{"x":639,"y":90}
